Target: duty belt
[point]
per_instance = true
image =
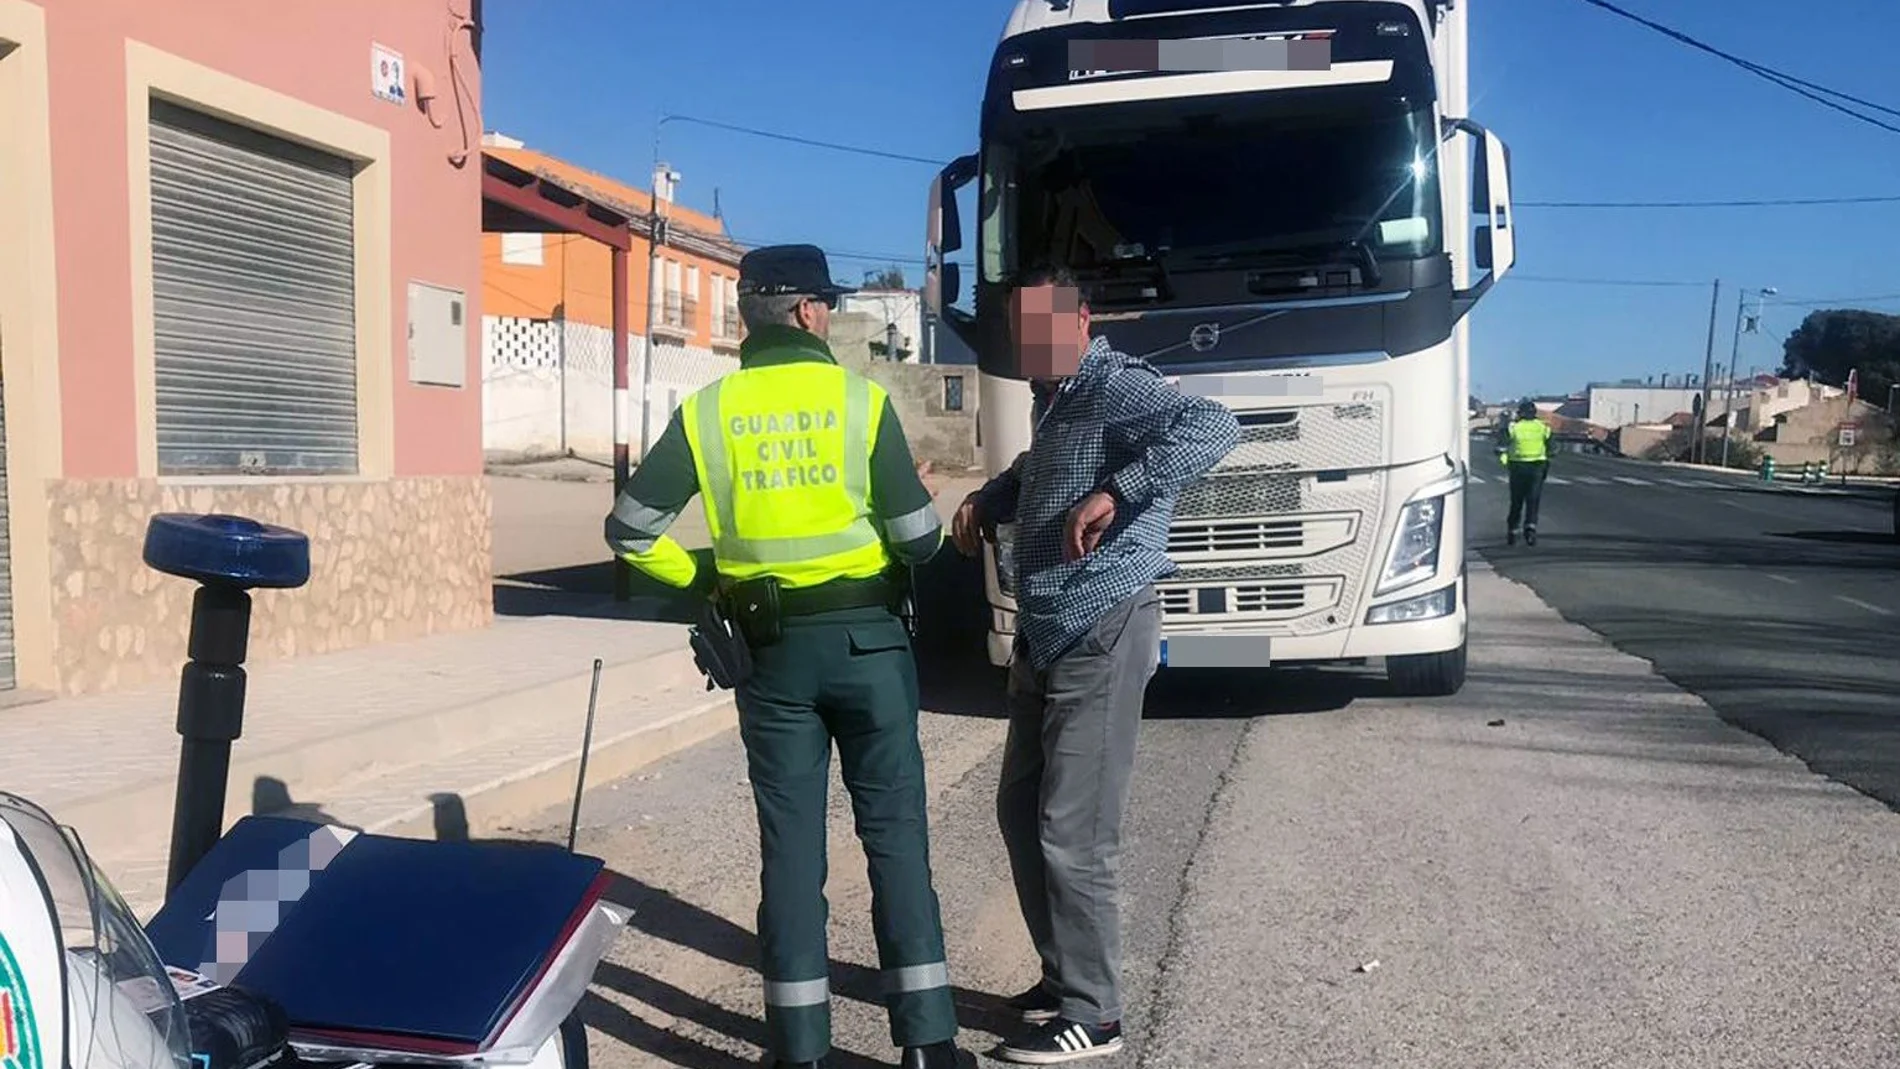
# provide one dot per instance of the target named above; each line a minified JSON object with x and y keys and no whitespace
{"x":837,"y":595}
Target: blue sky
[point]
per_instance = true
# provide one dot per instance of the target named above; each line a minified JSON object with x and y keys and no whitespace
{"x":1594,"y":108}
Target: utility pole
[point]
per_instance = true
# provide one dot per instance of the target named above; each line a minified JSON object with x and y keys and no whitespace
{"x":623,"y":461}
{"x":1708,"y":369}
{"x":1728,"y":408}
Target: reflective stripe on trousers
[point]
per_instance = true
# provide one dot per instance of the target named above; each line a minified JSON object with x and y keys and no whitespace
{"x":790,"y":994}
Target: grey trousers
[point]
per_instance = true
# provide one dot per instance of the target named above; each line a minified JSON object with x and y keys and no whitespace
{"x":1066,"y":768}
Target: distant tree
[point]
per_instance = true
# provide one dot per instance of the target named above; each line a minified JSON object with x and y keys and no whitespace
{"x":1829,"y":344}
{"x":885,"y":278}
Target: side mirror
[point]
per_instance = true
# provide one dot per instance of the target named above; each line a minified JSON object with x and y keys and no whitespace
{"x":1494,"y":239}
{"x":1491,"y":189}
{"x":944,"y":235}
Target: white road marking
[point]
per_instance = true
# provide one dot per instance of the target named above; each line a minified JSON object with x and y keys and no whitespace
{"x":1859,"y":604}
{"x":1592,"y":480}
{"x":1555,"y":481}
{"x":1473,"y":478}
{"x":1630,"y":481}
{"x":1690,"y":484}
{"x":1781,"y":578}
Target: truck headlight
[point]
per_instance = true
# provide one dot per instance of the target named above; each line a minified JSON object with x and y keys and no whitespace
{"x":1006,"y":559}
{"x":1413,"y":557}
{"x":1433,"y":606}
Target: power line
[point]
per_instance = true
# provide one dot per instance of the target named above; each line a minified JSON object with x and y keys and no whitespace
{"x":1659,"y":284}
{"x":1771,"y":202}
{"x":1781,"y":78}
{"x":796,"y":140}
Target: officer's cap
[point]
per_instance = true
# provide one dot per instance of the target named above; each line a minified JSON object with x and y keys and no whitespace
{"x":784,"y":269}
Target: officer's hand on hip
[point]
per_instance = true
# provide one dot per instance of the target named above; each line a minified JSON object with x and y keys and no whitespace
{"x":1089,"y":520}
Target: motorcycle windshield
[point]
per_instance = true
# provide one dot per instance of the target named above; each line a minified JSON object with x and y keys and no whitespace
{"x":63,"y":918}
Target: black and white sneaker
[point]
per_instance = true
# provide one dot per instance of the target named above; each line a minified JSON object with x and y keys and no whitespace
{"x":1036,"y":1005}
{"x":1062,"y":1041}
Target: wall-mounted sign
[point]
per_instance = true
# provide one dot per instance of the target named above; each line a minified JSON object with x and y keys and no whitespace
{"x":386,"y":77}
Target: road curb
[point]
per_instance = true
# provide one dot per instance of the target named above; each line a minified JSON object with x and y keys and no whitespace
{"x":499,"y":803}
{"x":125,"y":822}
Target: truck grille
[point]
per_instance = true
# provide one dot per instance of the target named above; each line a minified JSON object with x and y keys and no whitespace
{"x":1220,"y":495}
{"x":1298,"y":536}
{"x":1320,"y":437}
{"x":1257,"y":599}
{"x":1277,"y":533}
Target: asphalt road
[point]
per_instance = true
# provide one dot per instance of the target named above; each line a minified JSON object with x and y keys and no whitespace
{"x":1572,"y":864}
{"x":1780,"y":607}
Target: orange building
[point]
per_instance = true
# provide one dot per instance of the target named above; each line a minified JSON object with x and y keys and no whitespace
{"x":547,"y":303}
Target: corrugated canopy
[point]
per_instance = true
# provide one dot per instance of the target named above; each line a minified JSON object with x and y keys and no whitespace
{"x":518,"y":200}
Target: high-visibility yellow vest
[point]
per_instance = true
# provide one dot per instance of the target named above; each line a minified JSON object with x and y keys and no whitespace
{"x":783,"y":454}
{"x":1529,"y":441}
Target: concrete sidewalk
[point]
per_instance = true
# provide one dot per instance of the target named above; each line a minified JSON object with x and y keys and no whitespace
{"x":453,"y":730}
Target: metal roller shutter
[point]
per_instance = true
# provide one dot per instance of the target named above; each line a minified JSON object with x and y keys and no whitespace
{"x":254,"y":300}
{"x":6,"y":558}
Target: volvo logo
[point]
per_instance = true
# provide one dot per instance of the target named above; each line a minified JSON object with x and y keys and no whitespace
{"x":1204,"y":337}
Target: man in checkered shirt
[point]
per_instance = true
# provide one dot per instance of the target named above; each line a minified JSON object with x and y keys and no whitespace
{"x":1092,"y":500}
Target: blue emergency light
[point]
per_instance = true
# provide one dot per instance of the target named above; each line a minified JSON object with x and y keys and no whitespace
{"x":227,"y":550}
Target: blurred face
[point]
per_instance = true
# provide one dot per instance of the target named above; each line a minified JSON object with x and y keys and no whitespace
{"x":1050,"y":325}
{"x":814,"y":316}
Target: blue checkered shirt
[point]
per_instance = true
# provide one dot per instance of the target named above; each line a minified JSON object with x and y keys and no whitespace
{"x":1116,"y":425}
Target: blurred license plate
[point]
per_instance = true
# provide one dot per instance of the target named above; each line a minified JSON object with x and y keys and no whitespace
{"x":1216,"y":651}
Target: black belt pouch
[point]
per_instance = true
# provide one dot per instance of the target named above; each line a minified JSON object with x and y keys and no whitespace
{"x":719,"y":650}
{"x":756,"y":609}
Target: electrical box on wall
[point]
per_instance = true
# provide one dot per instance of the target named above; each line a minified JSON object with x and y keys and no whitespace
{"x":438,"y":335}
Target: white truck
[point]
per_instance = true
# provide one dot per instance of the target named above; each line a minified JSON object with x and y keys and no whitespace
{"x":1273,"y":203}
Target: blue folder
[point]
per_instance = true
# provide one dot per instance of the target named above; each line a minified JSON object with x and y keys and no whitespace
{"x":408,"y":943}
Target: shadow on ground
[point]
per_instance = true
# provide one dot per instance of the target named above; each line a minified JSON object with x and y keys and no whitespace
{"x":587,"y":591}
{"x":270,"y":797}
{"x":661,"y":915}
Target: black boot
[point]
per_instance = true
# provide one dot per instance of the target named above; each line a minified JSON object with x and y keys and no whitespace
{"x":943,"y":1055}
{"x":1530,"y":536}
{"x":1510,"y":537}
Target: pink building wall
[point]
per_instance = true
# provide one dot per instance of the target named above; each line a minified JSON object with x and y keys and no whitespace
{"x":319,"y":53}
{"x":399,"y":551}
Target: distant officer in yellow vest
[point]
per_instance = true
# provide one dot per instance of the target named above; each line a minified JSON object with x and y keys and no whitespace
{"x":1525,"y":452}
{"x":815,"y":508}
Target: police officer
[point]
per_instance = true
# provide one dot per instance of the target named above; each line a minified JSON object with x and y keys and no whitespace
{"x":1525,"y":451}
{"x":815,"y":509}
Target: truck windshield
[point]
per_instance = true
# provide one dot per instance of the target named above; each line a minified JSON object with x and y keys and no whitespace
{"x":1212,"y":190}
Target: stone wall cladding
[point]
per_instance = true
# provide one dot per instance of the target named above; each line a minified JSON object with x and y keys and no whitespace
{"x":389,"y":560}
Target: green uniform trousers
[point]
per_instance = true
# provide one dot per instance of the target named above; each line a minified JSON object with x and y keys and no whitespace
{"x":846,"y":676}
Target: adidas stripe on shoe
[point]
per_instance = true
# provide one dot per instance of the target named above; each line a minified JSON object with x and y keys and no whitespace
{"x":1061,"y":1041}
